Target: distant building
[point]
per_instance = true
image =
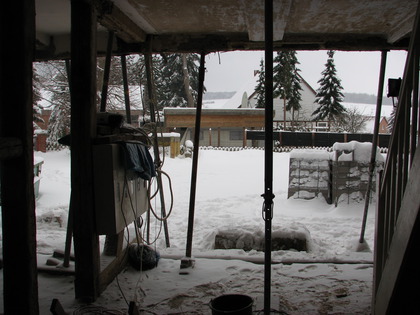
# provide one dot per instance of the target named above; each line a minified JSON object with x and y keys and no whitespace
{"x":303,"y":117}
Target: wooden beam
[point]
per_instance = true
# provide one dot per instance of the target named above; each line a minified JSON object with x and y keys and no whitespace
{"x":10,"y":148}
{"x":20,"y":284}
{"x":109,"y":273}
{"x":213,"y":121}
{"x":83,"y":131}
{"x":403,"y":250}
{"x":167,"y":43}
{"x":223,"y":42}
{"x":110,"y":16}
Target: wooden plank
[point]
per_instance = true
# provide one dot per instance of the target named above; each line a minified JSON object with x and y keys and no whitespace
{"x":240,"y":41}
{"x":20,"y":282}
{"x":213,"y":121}
{"x":109,"y":273}
{"x":110,"y":16}
{"x":83,"y":129}
{"x":10,"y":148}
{"x":407,"y":223}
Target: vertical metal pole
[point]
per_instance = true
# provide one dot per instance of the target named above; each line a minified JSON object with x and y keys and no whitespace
{"x":126,"y":91}
{"x":187,"y":263}
{"x":268,"y":171}
{"x":158,"y":163}
{"x":374,"y":142}
{"x":415,"y":107}
{"x":106,"y":71}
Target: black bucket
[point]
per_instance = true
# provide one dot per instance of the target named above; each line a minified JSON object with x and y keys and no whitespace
{"x":232,"y":304}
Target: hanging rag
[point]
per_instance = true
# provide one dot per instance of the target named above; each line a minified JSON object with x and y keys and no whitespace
{"x":138,"y":161}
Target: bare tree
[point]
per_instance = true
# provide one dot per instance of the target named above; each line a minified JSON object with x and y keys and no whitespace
{"x":352,"y":120}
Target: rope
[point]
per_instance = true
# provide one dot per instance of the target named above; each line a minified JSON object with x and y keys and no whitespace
{"x":155,"y":193}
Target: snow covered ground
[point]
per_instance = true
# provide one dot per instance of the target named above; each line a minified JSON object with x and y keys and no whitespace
{"x":331,"y":278}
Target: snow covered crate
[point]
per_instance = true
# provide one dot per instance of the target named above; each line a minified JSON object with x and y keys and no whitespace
{"x":338,"y":176}
{"x":309,"y":174}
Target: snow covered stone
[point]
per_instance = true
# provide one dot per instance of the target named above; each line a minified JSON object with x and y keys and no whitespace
{"x":294,"y":238}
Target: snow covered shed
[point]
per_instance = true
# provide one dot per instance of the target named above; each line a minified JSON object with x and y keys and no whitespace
{"x":219,"y":127}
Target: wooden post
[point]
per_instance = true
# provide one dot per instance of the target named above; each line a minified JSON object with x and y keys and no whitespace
{"x":218,"y":137}
{"x":83,"y":130}
{"x":107,"y":68}
{"x":126,"y":90}
{"x":188,"y":262}
{"x":209,"y":136}
{"x":20,"y":284}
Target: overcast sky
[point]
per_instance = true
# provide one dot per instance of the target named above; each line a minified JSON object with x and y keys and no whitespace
{"x":358,"y":71}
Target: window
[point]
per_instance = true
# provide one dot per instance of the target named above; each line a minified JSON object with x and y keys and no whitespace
{"x":235,"y":135}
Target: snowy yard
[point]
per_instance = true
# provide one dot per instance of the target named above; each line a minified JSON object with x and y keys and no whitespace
{"x":331,"y":278}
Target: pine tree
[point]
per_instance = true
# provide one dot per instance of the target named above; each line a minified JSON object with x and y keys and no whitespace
{"x":260,"y":88}
{"x":293,"y":102}
{"x":329,"y":95}
{"x":286,"y":81}
{"x":176,"y":78}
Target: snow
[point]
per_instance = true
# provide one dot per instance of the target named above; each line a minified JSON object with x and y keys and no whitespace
{"x":215,"y":104}
{"x":361,"y":150}
{"x":312,"y":154}
{"x":330,"y":278}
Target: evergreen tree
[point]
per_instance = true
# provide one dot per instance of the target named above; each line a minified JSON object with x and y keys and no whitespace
{"x":286,"y":81}
{"x":260,"y":88}
{"x":282,"y":83}
{"x":179,"y":78}
{"x":329,"y":95}
{"x":293,"y":102}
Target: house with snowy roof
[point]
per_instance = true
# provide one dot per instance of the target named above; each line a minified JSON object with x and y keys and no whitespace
{"x":233,"y":117}
{"x":246,"y":97}
{"x":284,"y":117}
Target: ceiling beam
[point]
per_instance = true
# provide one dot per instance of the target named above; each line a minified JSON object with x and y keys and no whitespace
{"x":112,"y":18}
{"x":254,"y":18}
{"x":403,"y":29}
{"x":228,"y":42}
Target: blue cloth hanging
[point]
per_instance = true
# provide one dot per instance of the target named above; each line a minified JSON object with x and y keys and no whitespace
{"x":138,"y":161}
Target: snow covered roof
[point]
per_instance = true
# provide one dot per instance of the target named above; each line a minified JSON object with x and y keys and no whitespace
{"x":246,"y":89}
